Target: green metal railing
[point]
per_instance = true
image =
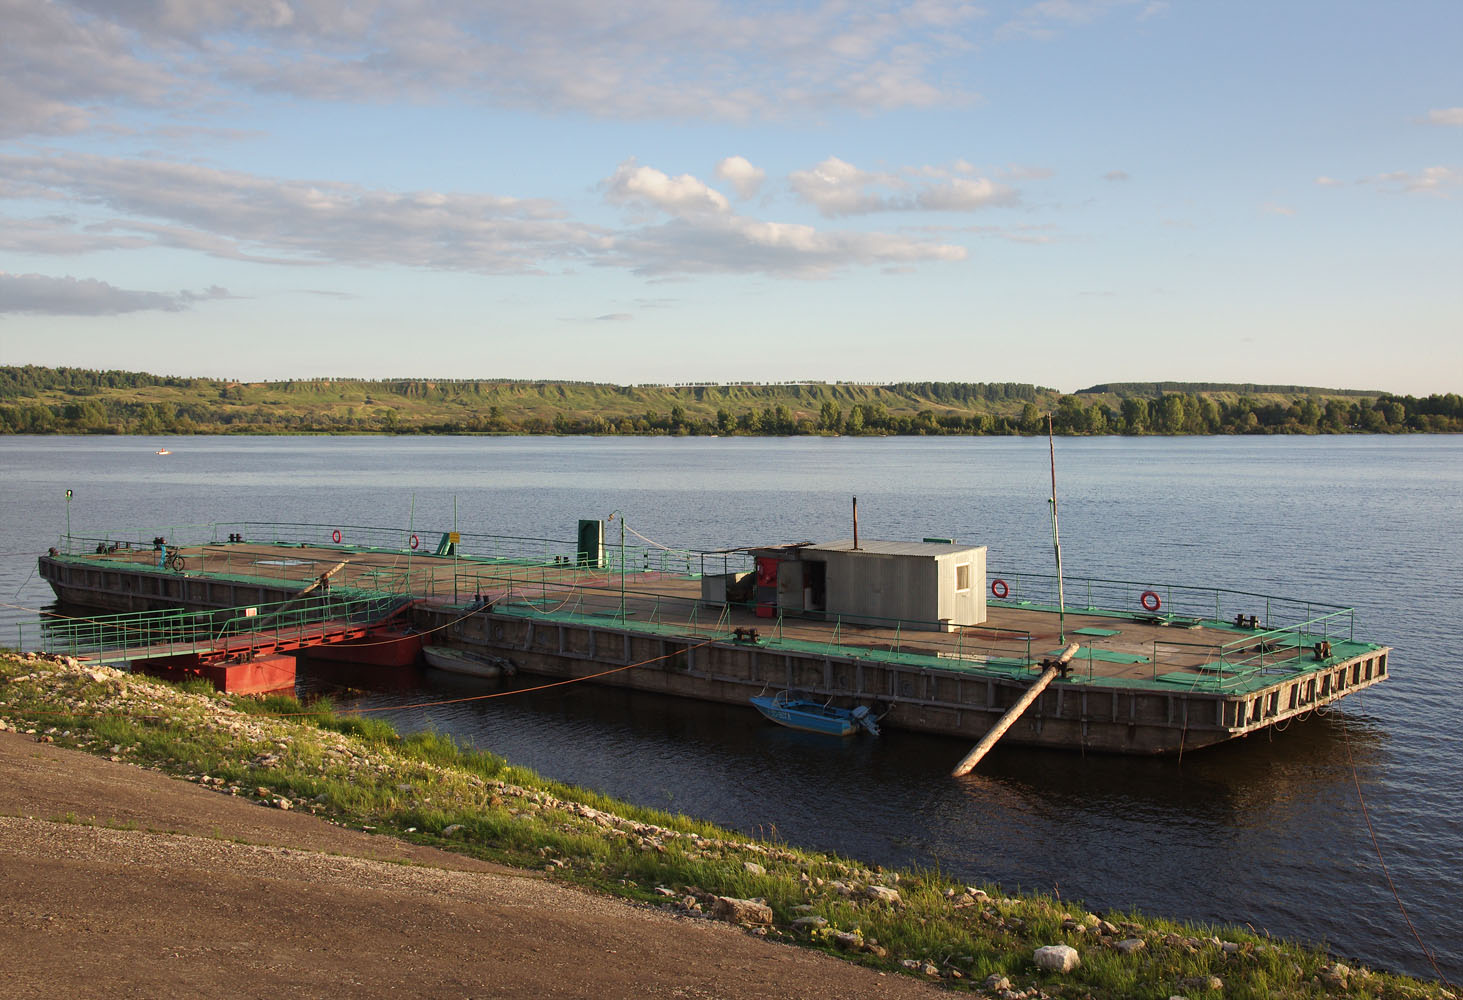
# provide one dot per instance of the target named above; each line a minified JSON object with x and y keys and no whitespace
{"x":136,"y":544}
{"x":547,"y":577}
{"x":1176,"y":602}
{"x":110,"y":637}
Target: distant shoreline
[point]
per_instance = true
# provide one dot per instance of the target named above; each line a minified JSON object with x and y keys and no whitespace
{"x":37,"y":400}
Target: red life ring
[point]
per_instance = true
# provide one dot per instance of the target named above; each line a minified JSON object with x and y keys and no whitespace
{"x":1150,"y":601}
{"x":999,"y":589}
{"x":335,"y":536}
{"x":414,"y":541}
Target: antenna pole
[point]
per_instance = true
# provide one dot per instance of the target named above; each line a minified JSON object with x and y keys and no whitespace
{"x":855,"y":523}
{"x":1056,"y":538}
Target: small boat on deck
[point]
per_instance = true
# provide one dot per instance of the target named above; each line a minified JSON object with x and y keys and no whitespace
{"x":468,"y":663}
{"x":797,"y":710}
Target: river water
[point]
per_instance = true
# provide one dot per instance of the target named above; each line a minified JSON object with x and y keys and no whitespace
{"x":1271,"y":831}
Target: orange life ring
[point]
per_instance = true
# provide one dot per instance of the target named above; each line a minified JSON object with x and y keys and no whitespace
{"x":1150,"y":601}
{"x":335,"y":536}
{"x":414,"y":541}
{"x":999,"y":589}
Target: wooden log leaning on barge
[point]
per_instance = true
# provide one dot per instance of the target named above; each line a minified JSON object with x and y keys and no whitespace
{"x":1053,"y":668}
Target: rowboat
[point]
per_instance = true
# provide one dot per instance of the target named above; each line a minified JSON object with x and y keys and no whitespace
{"x":799,"y":711}
{"x":467,"y":662}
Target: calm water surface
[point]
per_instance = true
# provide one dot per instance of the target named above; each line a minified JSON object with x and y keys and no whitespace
{"x":1268,"y":832}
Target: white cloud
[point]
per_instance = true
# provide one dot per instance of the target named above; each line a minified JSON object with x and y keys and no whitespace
{"x":1272,"y":208}
{"x":241,"y":216}
{"x":1046,"y":18}
{"x":70,"y":62}
{"x":962,"y":194}
{"x":741,"y":175}
{"x":1325,"y":181}
{"x":835,"y":188}
{"x":40,"y":294}
{"x":1446,"y":116}
{"x":736,"y":245}
{"x":139,"y":204}
{"x":683,"y":195}
{"x":1034,"y":234}
{"x":1116,"y":176}
{"x":59,"y":64}
{"x":606,"y":318}
{"x":1430,"y":180}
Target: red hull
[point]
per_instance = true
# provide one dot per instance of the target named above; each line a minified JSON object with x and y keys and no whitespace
{"x":263,"y":674}
{"x":380,"y":648}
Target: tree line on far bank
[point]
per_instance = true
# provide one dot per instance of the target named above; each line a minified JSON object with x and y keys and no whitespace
{"x":37,"y":400}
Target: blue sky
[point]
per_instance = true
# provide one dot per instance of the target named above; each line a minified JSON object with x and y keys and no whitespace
{"x":1066,"y":192}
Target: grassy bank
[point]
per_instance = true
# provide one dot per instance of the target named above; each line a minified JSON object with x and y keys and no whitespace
{"x":358,"y":772}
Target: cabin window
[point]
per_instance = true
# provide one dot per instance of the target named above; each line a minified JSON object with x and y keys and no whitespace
{"x":962,"y":576}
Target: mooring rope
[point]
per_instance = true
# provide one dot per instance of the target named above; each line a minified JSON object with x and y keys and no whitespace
{"x":1386,"y":874}
{"x":514,"y":691}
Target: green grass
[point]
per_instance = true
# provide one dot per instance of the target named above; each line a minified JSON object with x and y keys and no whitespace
{"x":427,"y":788}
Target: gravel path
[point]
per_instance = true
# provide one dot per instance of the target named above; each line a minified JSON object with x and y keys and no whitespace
{"x":121,"y":882}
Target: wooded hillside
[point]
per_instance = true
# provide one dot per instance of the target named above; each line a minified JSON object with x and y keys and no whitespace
{"x":38,"y":400}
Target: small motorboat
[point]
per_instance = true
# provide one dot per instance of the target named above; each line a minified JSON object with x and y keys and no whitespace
{"x":468,"y":662}
{"x":797,"y":710}
{"x":162,"y":451}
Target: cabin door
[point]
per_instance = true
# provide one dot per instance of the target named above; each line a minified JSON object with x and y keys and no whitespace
{"x":815,"y":586}
{"x":790,"y":586}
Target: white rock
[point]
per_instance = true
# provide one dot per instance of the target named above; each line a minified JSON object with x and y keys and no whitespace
{"x":753,"y":868}
{"x":883,"y":894}
{"x":1129,"y":945}
{"x":808,"y":923}
{"x":741,"y":911}
{"x":1057,"y":958}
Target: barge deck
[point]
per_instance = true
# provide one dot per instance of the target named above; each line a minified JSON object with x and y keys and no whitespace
{"x":1206,"y":667}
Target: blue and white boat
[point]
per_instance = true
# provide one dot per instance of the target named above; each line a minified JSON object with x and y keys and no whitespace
{"x":797,"y":710}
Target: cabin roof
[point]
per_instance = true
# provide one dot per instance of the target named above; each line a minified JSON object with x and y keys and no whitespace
{"x":874,"y":547}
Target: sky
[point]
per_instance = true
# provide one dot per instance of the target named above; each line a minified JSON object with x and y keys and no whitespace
{"x":1065,"y":193}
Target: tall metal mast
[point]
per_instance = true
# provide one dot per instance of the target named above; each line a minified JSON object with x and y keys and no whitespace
{"x":1056,"y":538}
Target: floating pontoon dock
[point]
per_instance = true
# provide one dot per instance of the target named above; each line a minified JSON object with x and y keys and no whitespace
{"x":1160,"y":668}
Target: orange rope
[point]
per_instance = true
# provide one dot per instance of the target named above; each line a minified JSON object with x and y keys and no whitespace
{"x":505,"y":694}
{"x":1356,"y":779}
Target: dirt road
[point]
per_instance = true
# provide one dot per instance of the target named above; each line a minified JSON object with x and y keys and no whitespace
{"x":120,"y":882}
